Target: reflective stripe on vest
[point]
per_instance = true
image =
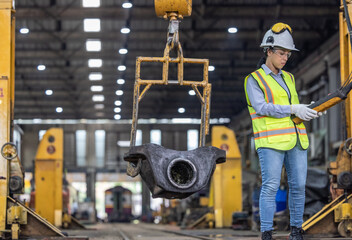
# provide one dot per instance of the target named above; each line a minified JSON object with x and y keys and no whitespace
{"x":274,"y":132}
{"x":267,"y":89}
{"x":256,"y":116}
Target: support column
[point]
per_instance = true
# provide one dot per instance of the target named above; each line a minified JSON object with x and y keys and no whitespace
{"x":90,"y":181}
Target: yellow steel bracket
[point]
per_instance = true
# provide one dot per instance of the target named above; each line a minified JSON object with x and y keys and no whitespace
{"x":16,"y":215}
{"x":172,"y":10}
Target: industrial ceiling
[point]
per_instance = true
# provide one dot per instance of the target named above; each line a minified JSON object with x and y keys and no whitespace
{"x":56,"y":39}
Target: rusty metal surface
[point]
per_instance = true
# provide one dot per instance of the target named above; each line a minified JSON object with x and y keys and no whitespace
{"x":175,"y":174}
{"x":139,"y":91}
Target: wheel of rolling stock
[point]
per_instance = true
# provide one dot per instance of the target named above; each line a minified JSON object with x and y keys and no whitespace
{"x":345,"y":228}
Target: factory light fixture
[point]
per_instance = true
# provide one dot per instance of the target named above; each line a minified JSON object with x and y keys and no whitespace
{"x":117,"y":117}
{"x":121,"y":68}
{"x":123,"y":51}
{"x":125,"y":30}
{"x":96,"y":88}
{"x":24,"y":30}
{"x":95,"y":76}
{"x":95,"y":63}
{"x":93,"y":45}
{"x":119,"y":92}
{"x":91,"y":25}
{"x":91,"y":3}
{"x":211,"y":68}
{"x":127,"y":5}
{"x":98,"y":98}
{"x":59,"y":109}
{"x":117,"y":109}
{"x":118,"y":103}
{"x":232,"y":30}
{"x":41,"y":67}
{"x":49,"y":92}
{"x":120,"y":81}
{"x":181,"y":110}
{"x":191,"y":92}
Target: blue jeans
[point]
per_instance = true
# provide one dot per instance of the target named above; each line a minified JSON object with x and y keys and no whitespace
{"x":271,"y":162}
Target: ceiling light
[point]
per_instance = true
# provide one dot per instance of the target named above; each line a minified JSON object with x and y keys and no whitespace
{"x":121,"y":68}
{"x":232,"y":30}
{"x":118,"y":103}
{"x":99,"y":106}
{"x":49,"y":92}
{"x":125,"y":30}
{"x":100,"y":114}
{"x":117,"y":110}
{"x":120,"y":81}
{"x":98,"y":98}
{"x":127,"y":5}
{"x":41,"y":67}
{"x":59,"y":109}
{"x":96,"y":76}
{"x":191,"y":92}
{"x":96,"y":88}
{"x":119,"y":92}
{"x":24,"y":30}
{"x":93,"y":45}
{"x":181,"y":110}
{"x":211,"y":68}
{"x":117,"y":116}
{"x":91,"y":3}
{"x":123,"y":51}
{"x":95,"y":63}
{"x":91,"y":25}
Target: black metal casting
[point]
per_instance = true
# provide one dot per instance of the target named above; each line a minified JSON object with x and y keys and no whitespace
{"x":173,"y":174}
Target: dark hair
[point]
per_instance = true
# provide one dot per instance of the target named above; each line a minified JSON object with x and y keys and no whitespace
{"x":262,"y":60}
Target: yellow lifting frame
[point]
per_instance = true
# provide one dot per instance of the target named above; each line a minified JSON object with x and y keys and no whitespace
{"x":7,"y":49}
{"x":173,"y":43}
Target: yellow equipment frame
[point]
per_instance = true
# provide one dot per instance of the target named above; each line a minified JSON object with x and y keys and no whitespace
{"x":225,"y":195}
{"x":15,"y":218}
{"x":48,"y":176}
{"x":7,"y":72}
{"x":336,"y":217}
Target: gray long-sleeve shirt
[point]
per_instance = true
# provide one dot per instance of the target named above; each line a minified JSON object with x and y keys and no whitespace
{"x":257,"y":99}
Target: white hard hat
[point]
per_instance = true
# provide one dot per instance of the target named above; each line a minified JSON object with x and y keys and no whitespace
{"x":279,"y":36}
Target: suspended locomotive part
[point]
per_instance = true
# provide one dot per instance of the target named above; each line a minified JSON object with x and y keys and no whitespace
{"x":170,"y":173}
{"x":175,"y":174}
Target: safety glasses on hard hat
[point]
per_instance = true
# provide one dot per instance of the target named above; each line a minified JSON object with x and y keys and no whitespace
{"x":280,"y":28}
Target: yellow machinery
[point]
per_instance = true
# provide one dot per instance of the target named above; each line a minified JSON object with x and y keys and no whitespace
{"x":15,"y":219}
{"x":48,"y":176}
{"x":225,"y":195}
{"x":48,"y":180}
{"x":226,"y":186}
{"x":336,"y":217}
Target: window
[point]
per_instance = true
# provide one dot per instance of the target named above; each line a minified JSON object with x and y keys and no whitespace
{"x":41,"y":134}
{"x":81,"y":136}
{"x":139,"y":137}
{"x":100,"y":147}
{"x":155,"y":136}
{"x":192,"y":139}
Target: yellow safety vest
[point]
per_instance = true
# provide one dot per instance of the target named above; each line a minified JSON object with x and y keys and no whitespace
{"x":270,"y":132}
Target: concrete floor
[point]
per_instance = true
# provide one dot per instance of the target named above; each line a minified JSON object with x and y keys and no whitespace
{"x":123,"y":231}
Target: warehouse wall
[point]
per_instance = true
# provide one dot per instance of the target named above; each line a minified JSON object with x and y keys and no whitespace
{"x":172,"y":136}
